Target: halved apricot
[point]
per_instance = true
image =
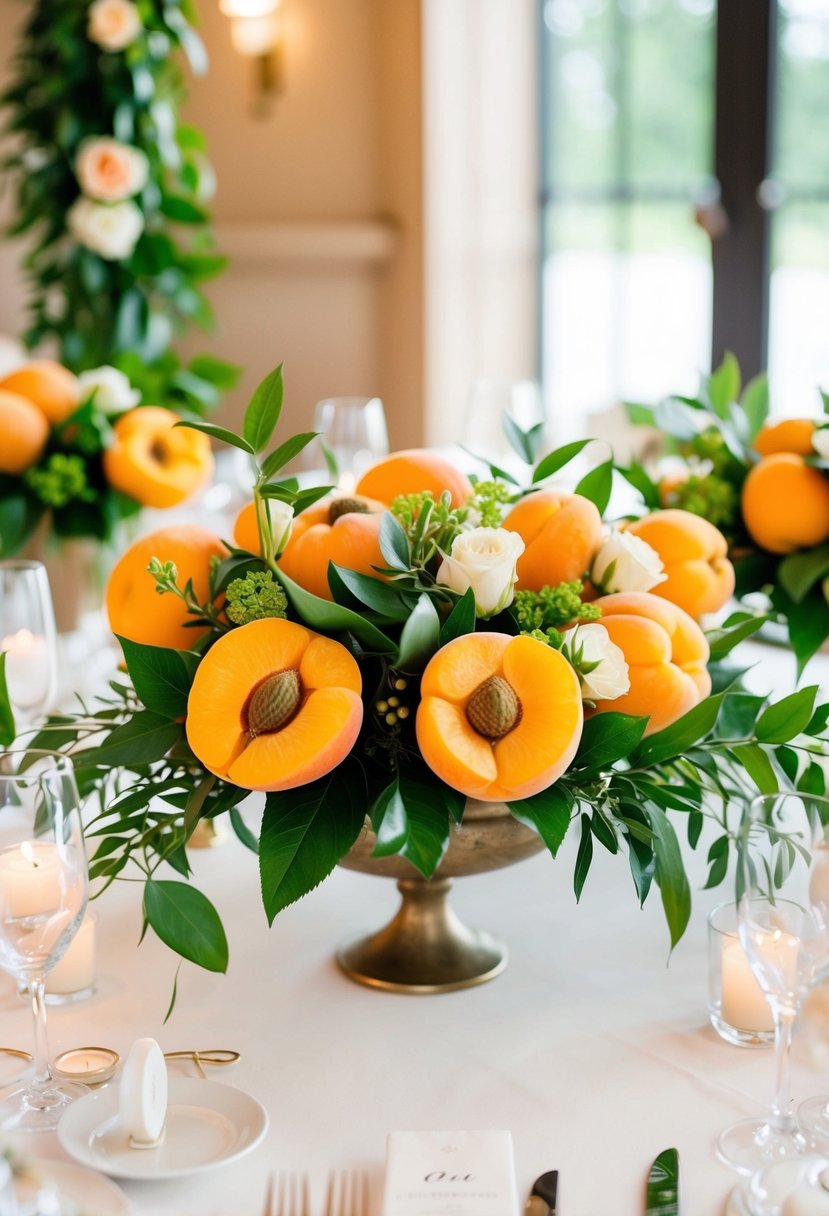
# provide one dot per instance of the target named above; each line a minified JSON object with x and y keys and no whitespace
{"x":561,"y":533}
{"x":500,"y":717}
{"x":274,"y":706}
{"x":154,"y":461}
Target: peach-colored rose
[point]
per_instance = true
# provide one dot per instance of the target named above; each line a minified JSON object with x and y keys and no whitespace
{"x":110,"y":171}
{"x":113,"y":24}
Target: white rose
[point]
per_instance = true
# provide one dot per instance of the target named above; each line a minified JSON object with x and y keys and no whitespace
{"x":483,"y":559}
{"x":112,"y":389}
{"x":820,"y":441}
{"x":626,"y":563}
{"x":110,"y":171}
{"x":282,"y":518}
{"x":110,"y":231}
{"x":113,"y":24}
{"x":589,"y":644}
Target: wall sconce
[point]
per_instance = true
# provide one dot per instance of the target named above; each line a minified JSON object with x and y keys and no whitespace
{"x":256,"y":33}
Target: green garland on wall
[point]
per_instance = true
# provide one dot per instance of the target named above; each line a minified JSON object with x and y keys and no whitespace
{"x":111,"y":187}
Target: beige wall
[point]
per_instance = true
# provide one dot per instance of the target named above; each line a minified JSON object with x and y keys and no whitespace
{"x":318,"y":206}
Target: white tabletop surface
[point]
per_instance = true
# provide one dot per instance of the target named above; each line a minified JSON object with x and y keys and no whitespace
{"x":590,"y":1048}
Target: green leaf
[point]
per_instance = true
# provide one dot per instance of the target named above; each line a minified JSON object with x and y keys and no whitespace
{"x":329,"y":617}
{"x":717,"y":862}
{"x":19,"y":517}
{"x":739,"y":714}
{"x":584,"y":857}
{"x":521,"y":441}
{"x":722,"y":641}
{"x":418,"y":813}
{"x":670,"y":873}
{"x":242,"y":831}
{"x":215,"y":371}
{"x":808,"y":622}
{"x":181,"y":210}
{"x":637,"y":476}
{"x":8,"y":730}
{"x":558,"y":459}
{"x":390,"y":822}
{"x":262,"y":414}
{"x":219,"y":432}
{"x":799,"y":572}
{"x":548,"y":813}
{"x":382,"y":597}
{"x":682,"y":734}
{"x":639,"y":415}
{"x":724,"y":385}
{"x":394,"y":544}
{"x":161,"y":676}
{"x":608,"y":737}
{"x":145,"y":738}
{"x":304,"y":834}
{"x":286,"y":452}
{"x":758,"y":766}
{"x":783,"y":720}
{"x":460,"y":620}
{"x":755,"y":404}
{"x":597,"y":485}
{"x":420,"y":636}
{"x":187,"y":922}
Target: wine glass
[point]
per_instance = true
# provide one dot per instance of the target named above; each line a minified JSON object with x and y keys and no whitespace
{"x":354,"y":431}
{"x":783,"y":921}
{"x":29,"y":638}
{"x":487,"y":402}
{"x":43,"y":897}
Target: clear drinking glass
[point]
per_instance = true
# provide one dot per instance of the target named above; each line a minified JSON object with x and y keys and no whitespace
{"x":43,"y":897}
{"x":354,"y":429}
{"x":29,"y":638}
{"x":783,"y":922}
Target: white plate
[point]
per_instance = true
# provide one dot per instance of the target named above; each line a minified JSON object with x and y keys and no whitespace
{"x":208,"y":1125}
{"x":87,"y":1191}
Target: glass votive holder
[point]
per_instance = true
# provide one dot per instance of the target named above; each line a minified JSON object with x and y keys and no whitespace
{"x":73,"y":978}
{"x":737,"y":1007}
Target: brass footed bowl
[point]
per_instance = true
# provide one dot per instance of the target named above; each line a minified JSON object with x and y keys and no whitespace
{"x":426,"y":948}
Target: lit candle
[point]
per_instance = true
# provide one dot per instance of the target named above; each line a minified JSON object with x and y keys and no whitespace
{"x":744,"y":1005}
{"x":28,"y":668}
{"x":76,"y":971}
{"x":92,"y":1065}
{"x":30,"y":880}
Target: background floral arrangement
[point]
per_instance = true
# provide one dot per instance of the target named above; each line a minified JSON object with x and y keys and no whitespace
{"x":765,"y":484}
{"x":108,"y":181}
{"x":81,"y":451}
{"x":382,"y":657}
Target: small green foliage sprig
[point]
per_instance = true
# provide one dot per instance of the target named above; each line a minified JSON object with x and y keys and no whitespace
{"x":553,"y":607}
{"x":431,"y":525}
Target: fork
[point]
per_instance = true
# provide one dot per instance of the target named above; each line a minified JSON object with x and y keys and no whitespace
{"x":347,"y":1194}
{"x":287,"y":1196}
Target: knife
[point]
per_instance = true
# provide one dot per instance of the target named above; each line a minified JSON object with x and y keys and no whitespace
{"x":662,"y":1195}
{"x":542,"y":1200}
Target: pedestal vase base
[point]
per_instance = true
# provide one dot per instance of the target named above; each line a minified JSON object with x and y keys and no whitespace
{"x":426,"y":948}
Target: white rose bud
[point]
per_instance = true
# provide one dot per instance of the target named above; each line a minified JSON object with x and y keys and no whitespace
{"x":113,"y":24}
{"x":483,"y":559}
{"x":820,"y":441}
{"x":110,"y":171}
{"x":110,"y":231}
{"x":626,"y":563}
{"x":112,"y":389}
{"x":282,"y":518}
{"x":589,"y":644}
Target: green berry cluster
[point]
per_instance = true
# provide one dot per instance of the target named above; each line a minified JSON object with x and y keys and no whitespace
{"x":552,"y":607}
{"x":61,"y":480}
{"x":254,"y":598}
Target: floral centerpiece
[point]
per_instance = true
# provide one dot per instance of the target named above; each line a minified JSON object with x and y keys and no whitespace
{"x":82,"y":453}
{"x":764,"y":483}
{"x":383,"y":657}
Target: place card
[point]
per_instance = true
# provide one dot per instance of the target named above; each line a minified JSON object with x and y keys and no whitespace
{"x":450,"y":1174}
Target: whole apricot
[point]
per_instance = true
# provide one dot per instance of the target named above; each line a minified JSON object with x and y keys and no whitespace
{"x":561,"y":533}
{"x":23,"y":433}
{"x":154,"y":461}
{"x":134,"y":607}
{"x":695,"y":557}
{"x":342,"y":530}
{"x":52,"y":388}
{"x":789,"y":435}
{"x":785,"y":504}
{"x":414,"y":471}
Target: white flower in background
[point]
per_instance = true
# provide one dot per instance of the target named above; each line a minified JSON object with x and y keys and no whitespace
{"x":112,"y":389}
{"x":626,"y":563}
{"x":113,"y":24}
{"x":110,"y":231}
{"x":820,"y":441}
{"x":282,"y":518}
{"x":110,"y":171}
{"x":12,"y":354}
{"x":483,"y":559}
{"x":599,"y":663}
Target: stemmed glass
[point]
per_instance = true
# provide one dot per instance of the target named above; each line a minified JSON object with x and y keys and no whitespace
{"x":43,"y":897}
{"x":354,"y":429}
{"x":28,"y":636}
{"x":783,"y":921}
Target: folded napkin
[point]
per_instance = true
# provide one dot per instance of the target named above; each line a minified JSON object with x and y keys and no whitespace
{"x":450,"y":1174}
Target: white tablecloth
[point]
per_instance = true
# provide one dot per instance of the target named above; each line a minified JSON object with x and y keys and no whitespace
{"x":591,"y":1049}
